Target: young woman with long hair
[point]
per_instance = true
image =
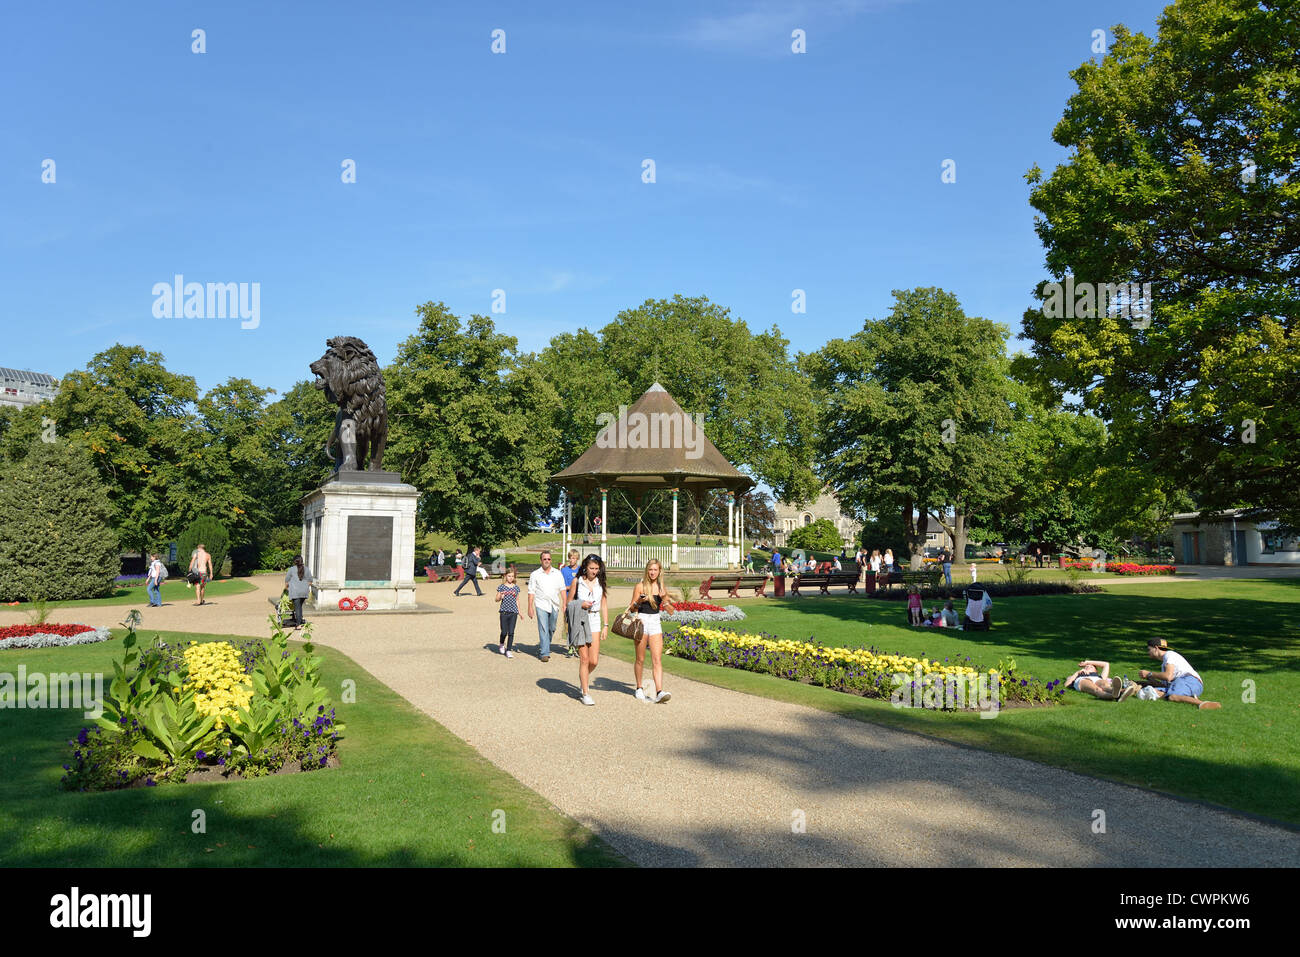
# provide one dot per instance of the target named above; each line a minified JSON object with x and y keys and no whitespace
{"x":589,"y":588}
{"x":649,"y":598}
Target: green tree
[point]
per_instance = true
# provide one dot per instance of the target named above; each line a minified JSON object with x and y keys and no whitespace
{"x":755,"y":403}
{"x":914,"y":414}
{"x":470,"y":424}
{"x":135,"y":417}
{"x":821,"y":535}
{"x":214,"y":537}
{"x":1183,"y":174}
{"x":56,"y":538}
{"x":294,"y":431}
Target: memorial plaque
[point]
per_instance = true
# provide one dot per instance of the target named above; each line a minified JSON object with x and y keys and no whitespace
{"x":370,"y":548}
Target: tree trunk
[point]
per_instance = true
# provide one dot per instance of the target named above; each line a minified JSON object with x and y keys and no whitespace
{"x":914,"y":530}
{"x":956,"y":531}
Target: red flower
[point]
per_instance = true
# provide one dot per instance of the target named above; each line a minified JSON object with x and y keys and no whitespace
{"x":26,"y":631}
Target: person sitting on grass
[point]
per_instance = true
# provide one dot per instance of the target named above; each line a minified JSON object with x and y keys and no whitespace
{"x":949,"y":615}
{"x":978,"y":604}
{"x":1177,"y":680}
{"x":1093,"y":677}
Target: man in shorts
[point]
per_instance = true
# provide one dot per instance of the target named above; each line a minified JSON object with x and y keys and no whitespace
{"x":201,"y":565}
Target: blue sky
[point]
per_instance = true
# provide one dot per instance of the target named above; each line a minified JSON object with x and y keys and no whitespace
{"x":519,"y":171}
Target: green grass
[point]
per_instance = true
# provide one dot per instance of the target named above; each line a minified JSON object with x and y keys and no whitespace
{"x":409,"y":793}
{"x":1245,"y":756}
{"x":173,"y":591}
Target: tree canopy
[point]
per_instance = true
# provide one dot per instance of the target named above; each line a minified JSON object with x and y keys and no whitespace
{"x":1185,"y":151}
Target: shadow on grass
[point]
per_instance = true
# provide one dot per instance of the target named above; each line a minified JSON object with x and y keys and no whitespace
{"x":409,"y":793}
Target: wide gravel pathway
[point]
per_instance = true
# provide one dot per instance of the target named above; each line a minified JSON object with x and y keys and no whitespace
{"x":716,"y":777}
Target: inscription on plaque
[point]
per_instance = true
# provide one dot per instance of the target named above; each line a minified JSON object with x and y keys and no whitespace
{"x":370,"y":548}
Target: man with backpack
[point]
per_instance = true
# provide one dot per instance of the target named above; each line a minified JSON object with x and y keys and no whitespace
{"x":154,"y":579}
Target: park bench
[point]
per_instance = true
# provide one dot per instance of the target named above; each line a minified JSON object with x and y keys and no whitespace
{"x":441,"y":573}
{"x":734,"y":581}
{"x":825,"y":580}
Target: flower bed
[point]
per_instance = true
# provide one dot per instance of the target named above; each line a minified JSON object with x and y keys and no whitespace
{"x":211,"y":710}
{"x":51,"y":635}
{"x":694,"y":612}
{"x":1131,"y":568}
{"x":865,"y":672}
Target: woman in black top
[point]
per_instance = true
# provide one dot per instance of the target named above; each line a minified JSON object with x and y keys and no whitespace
{"x":649,"y":597}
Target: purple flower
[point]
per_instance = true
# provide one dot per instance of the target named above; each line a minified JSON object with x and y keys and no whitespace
{"x":201,"y":755}
{"x":150,"y":782}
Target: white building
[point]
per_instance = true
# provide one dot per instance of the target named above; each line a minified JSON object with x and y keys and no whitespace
{"x":20,"y":388}
{"x":1232,"y":537}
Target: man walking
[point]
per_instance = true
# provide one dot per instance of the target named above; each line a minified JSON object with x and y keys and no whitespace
{"x":545,"y":590}
{"x":154,"y":580}
{"x":201,"y":565}
{"x":471,"y":572}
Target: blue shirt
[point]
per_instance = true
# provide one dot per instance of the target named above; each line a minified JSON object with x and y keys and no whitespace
{"x":776,"y":560}
{"x":568,"y":571}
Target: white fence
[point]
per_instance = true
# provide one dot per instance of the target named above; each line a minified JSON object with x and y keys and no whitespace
{"x":636,"y":556}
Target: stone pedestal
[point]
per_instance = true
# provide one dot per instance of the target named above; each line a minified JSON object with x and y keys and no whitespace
{"x":358,"y":539}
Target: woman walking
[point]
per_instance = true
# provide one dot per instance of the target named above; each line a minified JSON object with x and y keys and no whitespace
{"x":508,"y":596}
{"x":649,"y":598}
{"x":297,"y":580}
{"x":589,"y":619}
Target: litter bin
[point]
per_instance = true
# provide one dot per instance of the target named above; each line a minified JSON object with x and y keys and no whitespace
{"x":778,"y":585}
{"x":1060,"y":561}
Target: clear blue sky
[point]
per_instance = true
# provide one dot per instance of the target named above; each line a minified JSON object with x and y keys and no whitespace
{"x":519,"y":171}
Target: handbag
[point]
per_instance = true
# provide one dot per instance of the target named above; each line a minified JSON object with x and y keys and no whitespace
{"x":628,"y":625}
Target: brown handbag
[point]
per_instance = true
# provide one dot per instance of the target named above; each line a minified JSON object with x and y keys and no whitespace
{"x":628,"y":625}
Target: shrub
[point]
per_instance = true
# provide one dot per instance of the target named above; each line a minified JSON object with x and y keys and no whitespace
{"x":56,"y":539}
{"x":821,"y":535}
{"x":214,"y":537}
{"x":996,"y":589}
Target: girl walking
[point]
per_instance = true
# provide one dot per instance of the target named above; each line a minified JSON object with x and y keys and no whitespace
{"x":649,"y":598}
{"x":588,"y":589}
{"x":508,"y":596}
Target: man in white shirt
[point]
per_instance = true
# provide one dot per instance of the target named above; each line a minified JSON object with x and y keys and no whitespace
{"x":1180,"y":680}
{"x":545,"y":602}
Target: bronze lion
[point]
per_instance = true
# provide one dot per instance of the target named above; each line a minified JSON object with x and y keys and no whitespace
{"x":351,"y":378}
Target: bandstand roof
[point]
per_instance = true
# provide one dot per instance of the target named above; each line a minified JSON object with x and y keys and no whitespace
{"x":612,"y":462}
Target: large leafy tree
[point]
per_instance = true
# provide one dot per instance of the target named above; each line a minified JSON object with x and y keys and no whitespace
{"x":294,"y":432}
{"x":914,"y":414}
{"x":1183,"y":170}
{"x":470,"y":424}
{"x":755,"y":403}
{"x":134,"y":416}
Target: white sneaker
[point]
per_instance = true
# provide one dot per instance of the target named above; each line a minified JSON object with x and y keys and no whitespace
{"x":663,"y":696}
{"x":640,"y":695}
{"x":510,"y":654}
{"x":501,"y":649}
{"x":587,"y":699}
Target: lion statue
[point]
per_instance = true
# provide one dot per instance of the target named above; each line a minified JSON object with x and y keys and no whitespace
{"x":350,"y":377}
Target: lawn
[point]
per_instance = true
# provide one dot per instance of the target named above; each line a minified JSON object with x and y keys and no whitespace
{"x":1245,"y":756}
{"x":174,"y":591}
{"x":409,"y":793}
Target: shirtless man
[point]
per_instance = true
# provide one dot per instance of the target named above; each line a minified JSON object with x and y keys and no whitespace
{"x":201,"y":565}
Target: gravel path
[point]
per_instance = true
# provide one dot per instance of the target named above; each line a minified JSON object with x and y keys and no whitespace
{"x":716,"y":777}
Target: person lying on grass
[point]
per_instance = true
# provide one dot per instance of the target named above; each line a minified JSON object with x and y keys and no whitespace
{"x":1093,"y":677}
{"x":1177,"y":681}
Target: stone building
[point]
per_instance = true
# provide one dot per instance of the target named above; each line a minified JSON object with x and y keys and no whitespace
{"x":1233,"y":537}
{"x":20,"y":388}
{"x":789,"y":517}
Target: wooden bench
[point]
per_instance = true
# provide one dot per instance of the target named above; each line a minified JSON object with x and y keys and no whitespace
{"x":441,"y":573}
{"x":735,"y":581}
{"x":825,"y":580}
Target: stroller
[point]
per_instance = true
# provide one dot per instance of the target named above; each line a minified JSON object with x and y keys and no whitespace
{"x":977,"y":613}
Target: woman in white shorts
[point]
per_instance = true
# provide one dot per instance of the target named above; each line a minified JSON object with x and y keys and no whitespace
{"x":649,"y":597}
{"x":588,"y":587}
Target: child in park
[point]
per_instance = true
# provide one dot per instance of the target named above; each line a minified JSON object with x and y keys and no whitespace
{"x":914,"y":606}
{"x":973,"y":572}
{"x":508,"y":596}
